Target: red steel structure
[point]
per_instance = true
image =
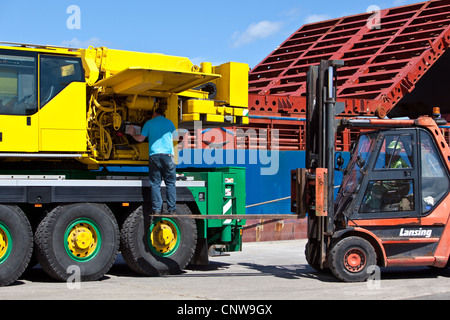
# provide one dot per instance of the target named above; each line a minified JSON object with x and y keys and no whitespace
{"x":396,"y":64}
{"x":385,"y":61}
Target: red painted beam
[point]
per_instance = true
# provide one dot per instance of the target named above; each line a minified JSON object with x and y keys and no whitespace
{"x":382,"y":65}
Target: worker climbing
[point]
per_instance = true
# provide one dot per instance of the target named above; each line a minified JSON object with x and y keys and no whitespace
{"x":160,"y":133}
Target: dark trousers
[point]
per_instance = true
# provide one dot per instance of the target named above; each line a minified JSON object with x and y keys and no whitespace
{"x":162,"y":167}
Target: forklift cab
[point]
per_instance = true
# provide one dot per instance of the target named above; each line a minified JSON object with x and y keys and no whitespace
{"x":394,"y":173}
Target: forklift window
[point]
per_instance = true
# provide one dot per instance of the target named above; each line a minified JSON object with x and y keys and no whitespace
{"x":395,"y":153}
{"x":434,"y":182}
{"x":56,"y":74}
{"x":357,"y":163}
{"x":17,"y":85}
{"x":388,"y":196}
{"x":354,"y":171}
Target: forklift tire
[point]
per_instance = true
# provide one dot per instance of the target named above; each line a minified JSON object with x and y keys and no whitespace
{"x":154,"y":246}
{"x":351,"y":258}
{"x":77,"y":241}
{"x":312,"y":260}
{"x":16,"y":244}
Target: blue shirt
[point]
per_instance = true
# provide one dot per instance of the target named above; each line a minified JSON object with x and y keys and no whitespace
{"x":159,"y":132}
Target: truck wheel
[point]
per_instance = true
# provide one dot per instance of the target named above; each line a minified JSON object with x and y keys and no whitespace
{"x":80,"y":237}
{"x":350,"y":259}
{"x":16,"y":243}
{"x":154,"y":246}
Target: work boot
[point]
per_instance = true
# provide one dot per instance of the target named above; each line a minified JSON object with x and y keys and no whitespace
{"x":172,"y":212}
{"x":156,"y":213}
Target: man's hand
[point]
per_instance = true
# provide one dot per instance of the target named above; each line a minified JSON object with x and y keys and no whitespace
{"x":132,"y":132}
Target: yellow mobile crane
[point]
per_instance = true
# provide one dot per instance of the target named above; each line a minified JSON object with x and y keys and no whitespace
{"x":59,"y":102}
{"x":64,"y":115}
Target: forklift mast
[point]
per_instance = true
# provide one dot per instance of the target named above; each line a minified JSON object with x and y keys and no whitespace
{"x":313,"y":187}
{"x":322,"y":108}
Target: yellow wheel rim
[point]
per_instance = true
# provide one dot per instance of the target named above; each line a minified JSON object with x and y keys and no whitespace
{"x":164,"y":237}
{"x":82,"y":240}
{"x":4,"y":242}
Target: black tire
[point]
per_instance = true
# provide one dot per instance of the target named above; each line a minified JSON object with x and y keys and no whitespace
{"x":312,"y":261}
{"x":17,"y":244}
{"x":350,"y":259}
{"x":145,"y":258}
{"x":53,"y":250}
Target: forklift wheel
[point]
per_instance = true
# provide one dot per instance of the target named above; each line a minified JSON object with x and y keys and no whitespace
{"x":350,"y":259}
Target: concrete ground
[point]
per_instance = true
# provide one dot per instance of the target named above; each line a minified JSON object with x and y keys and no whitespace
{"x":262,"y":271}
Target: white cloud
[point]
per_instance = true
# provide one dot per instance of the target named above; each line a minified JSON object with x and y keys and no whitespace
{"x":398,"y":3}
{"x":254,"y":32}
{"x":292,"y":13}
{"x":316,"y":18}
{"x":76,"y":43}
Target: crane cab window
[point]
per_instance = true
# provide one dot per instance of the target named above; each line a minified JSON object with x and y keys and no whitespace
{"x":56,"y":74}
{"x":17,"y":85}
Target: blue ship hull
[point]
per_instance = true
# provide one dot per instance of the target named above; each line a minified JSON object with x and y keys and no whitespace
{"x":268,"y":184}
{"x":268,"y":175}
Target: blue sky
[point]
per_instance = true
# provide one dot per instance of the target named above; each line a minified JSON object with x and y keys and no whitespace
{"x":215,"y":31}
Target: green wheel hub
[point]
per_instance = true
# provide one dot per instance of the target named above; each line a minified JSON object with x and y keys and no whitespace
{"x":5,"y":243}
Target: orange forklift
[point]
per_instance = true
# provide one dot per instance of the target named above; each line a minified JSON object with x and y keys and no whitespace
{"x":393,"y":206}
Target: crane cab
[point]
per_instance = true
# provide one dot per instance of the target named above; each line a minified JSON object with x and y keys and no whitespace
{"x":42,"y":101}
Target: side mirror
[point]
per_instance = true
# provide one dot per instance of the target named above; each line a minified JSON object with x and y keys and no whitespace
{"x":339,"y":162}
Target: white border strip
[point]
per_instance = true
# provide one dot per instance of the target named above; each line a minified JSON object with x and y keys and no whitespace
{"x":92,"y":183}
